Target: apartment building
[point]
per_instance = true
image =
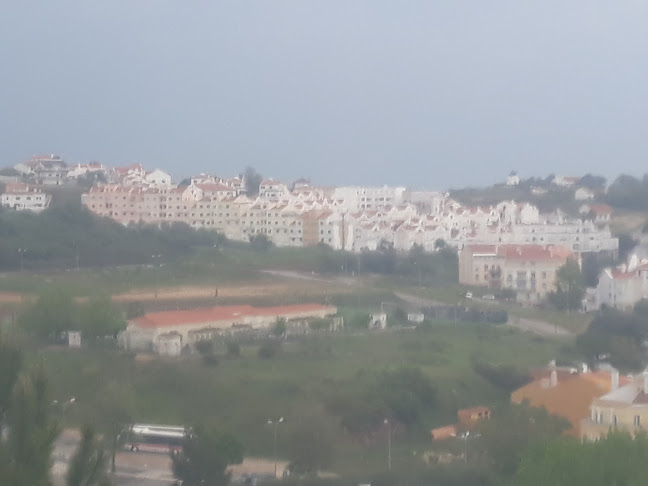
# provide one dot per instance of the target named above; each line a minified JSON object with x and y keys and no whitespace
{"x":23,"y":197}
{"x":530,"y":270}
{"x":353,"y":218}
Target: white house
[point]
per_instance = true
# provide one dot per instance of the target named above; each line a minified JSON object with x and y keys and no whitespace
{"x":24,"y":197}
{"x":583,"y":194}
{"x":158,"y":178}
{"x":513,"y":179}
{"x":622,"y":287}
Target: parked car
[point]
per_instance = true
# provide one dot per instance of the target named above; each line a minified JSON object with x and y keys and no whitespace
{"x":488,"y":297}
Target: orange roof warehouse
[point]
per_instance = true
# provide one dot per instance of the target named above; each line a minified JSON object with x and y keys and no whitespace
{"x":167,"y":333}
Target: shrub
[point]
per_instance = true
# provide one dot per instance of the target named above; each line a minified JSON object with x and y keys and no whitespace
{"x":233,"y":349}
{"x":269,"y":349}
{"x":505,"y":377}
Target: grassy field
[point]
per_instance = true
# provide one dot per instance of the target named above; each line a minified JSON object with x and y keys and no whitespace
{"x":240,"y":394}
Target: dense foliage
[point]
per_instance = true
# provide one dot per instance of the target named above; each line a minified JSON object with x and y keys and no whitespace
{"x":67,"y":234}
{"x":55,"y":311}
{"x":570,"y":290}
{"x":617,"y":336}
{"x":629,"y":192}
{"x":205,"y":457}
{"x":405,"y":395}
{"x":617,"y":459}
{"x":419,"y":266}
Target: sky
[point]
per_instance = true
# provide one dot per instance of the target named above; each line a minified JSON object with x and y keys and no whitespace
{"x":427,"y":94}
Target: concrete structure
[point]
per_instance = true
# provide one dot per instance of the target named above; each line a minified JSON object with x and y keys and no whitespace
{"x":625,"y":408}
{"x":23,"y":197}
{"x":530,"y":270}
{"x":168,"y":333}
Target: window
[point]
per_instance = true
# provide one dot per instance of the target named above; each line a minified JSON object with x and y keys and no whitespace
{"x":637,"y":420}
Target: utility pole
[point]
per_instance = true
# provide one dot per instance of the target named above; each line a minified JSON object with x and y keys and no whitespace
{"x":276,"y":423}
{"x":21,"y":251}
{"x":388,"y":424}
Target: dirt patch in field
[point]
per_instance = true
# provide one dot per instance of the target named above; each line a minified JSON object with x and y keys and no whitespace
{"x":10,"y":298}
{"x":297,"y":289}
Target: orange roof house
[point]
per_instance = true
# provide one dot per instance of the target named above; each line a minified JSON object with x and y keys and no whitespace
{"x":567,"y":393}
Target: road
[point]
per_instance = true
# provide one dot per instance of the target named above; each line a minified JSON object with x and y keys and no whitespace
{"x":536,"y":326}
{"x":131,"y":468}
{"x":147,"y":469}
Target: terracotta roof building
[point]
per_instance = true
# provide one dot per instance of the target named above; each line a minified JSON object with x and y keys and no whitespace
{"x":169,"y":332}
{"x":567,"y":392}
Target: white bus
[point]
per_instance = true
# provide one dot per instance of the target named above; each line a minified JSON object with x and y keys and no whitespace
{"x":155,"y":438}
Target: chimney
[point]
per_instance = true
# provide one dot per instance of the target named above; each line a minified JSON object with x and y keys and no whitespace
{"x":615,"y":379}
{"x":554,"y":378}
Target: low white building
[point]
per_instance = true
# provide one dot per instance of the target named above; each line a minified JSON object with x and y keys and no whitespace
{"x":168,"y":333}
{"x":24,"y":197}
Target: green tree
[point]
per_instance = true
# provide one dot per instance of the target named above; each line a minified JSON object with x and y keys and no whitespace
{"x":310,"y":448}
{"x":10,"y":365}
{"x":26,"y":447}
{"x":252,"y":181}
{"x":99,"y":317}
{"x":617,"y":459}
{"x":205,"y":457}
{"x":569,"y":291}
{"x":511,"y":429}
{"x":89,"y":464}
{"x":53,"y":312}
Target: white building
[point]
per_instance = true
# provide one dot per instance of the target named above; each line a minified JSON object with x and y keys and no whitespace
{"x":24,"y":197}
{"x":158,"y":178}
{"x":513,"y":179}
{"x":170,"y":332}
{"x":583,"y":194}
{"x":622,"y":287}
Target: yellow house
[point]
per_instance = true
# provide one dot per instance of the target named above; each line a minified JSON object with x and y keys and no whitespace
{"x":625,"y":408}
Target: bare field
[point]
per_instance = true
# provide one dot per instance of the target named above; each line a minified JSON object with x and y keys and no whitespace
{"x":197,"y":292}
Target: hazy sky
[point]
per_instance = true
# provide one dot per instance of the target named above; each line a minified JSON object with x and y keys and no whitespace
{"x":428,"y":93}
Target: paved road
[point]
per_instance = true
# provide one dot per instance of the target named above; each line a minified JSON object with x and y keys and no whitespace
{"x":536,"y":326}
{"x":131,"y":468}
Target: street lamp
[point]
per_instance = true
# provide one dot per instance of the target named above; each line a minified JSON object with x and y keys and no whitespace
{"x":388,"y":424}
{"x":465,"y":437}
{"x":276,"y":423}
{"x":21,"y":251}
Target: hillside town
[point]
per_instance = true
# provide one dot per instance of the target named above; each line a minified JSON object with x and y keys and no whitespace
{"x":505,"y":245}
